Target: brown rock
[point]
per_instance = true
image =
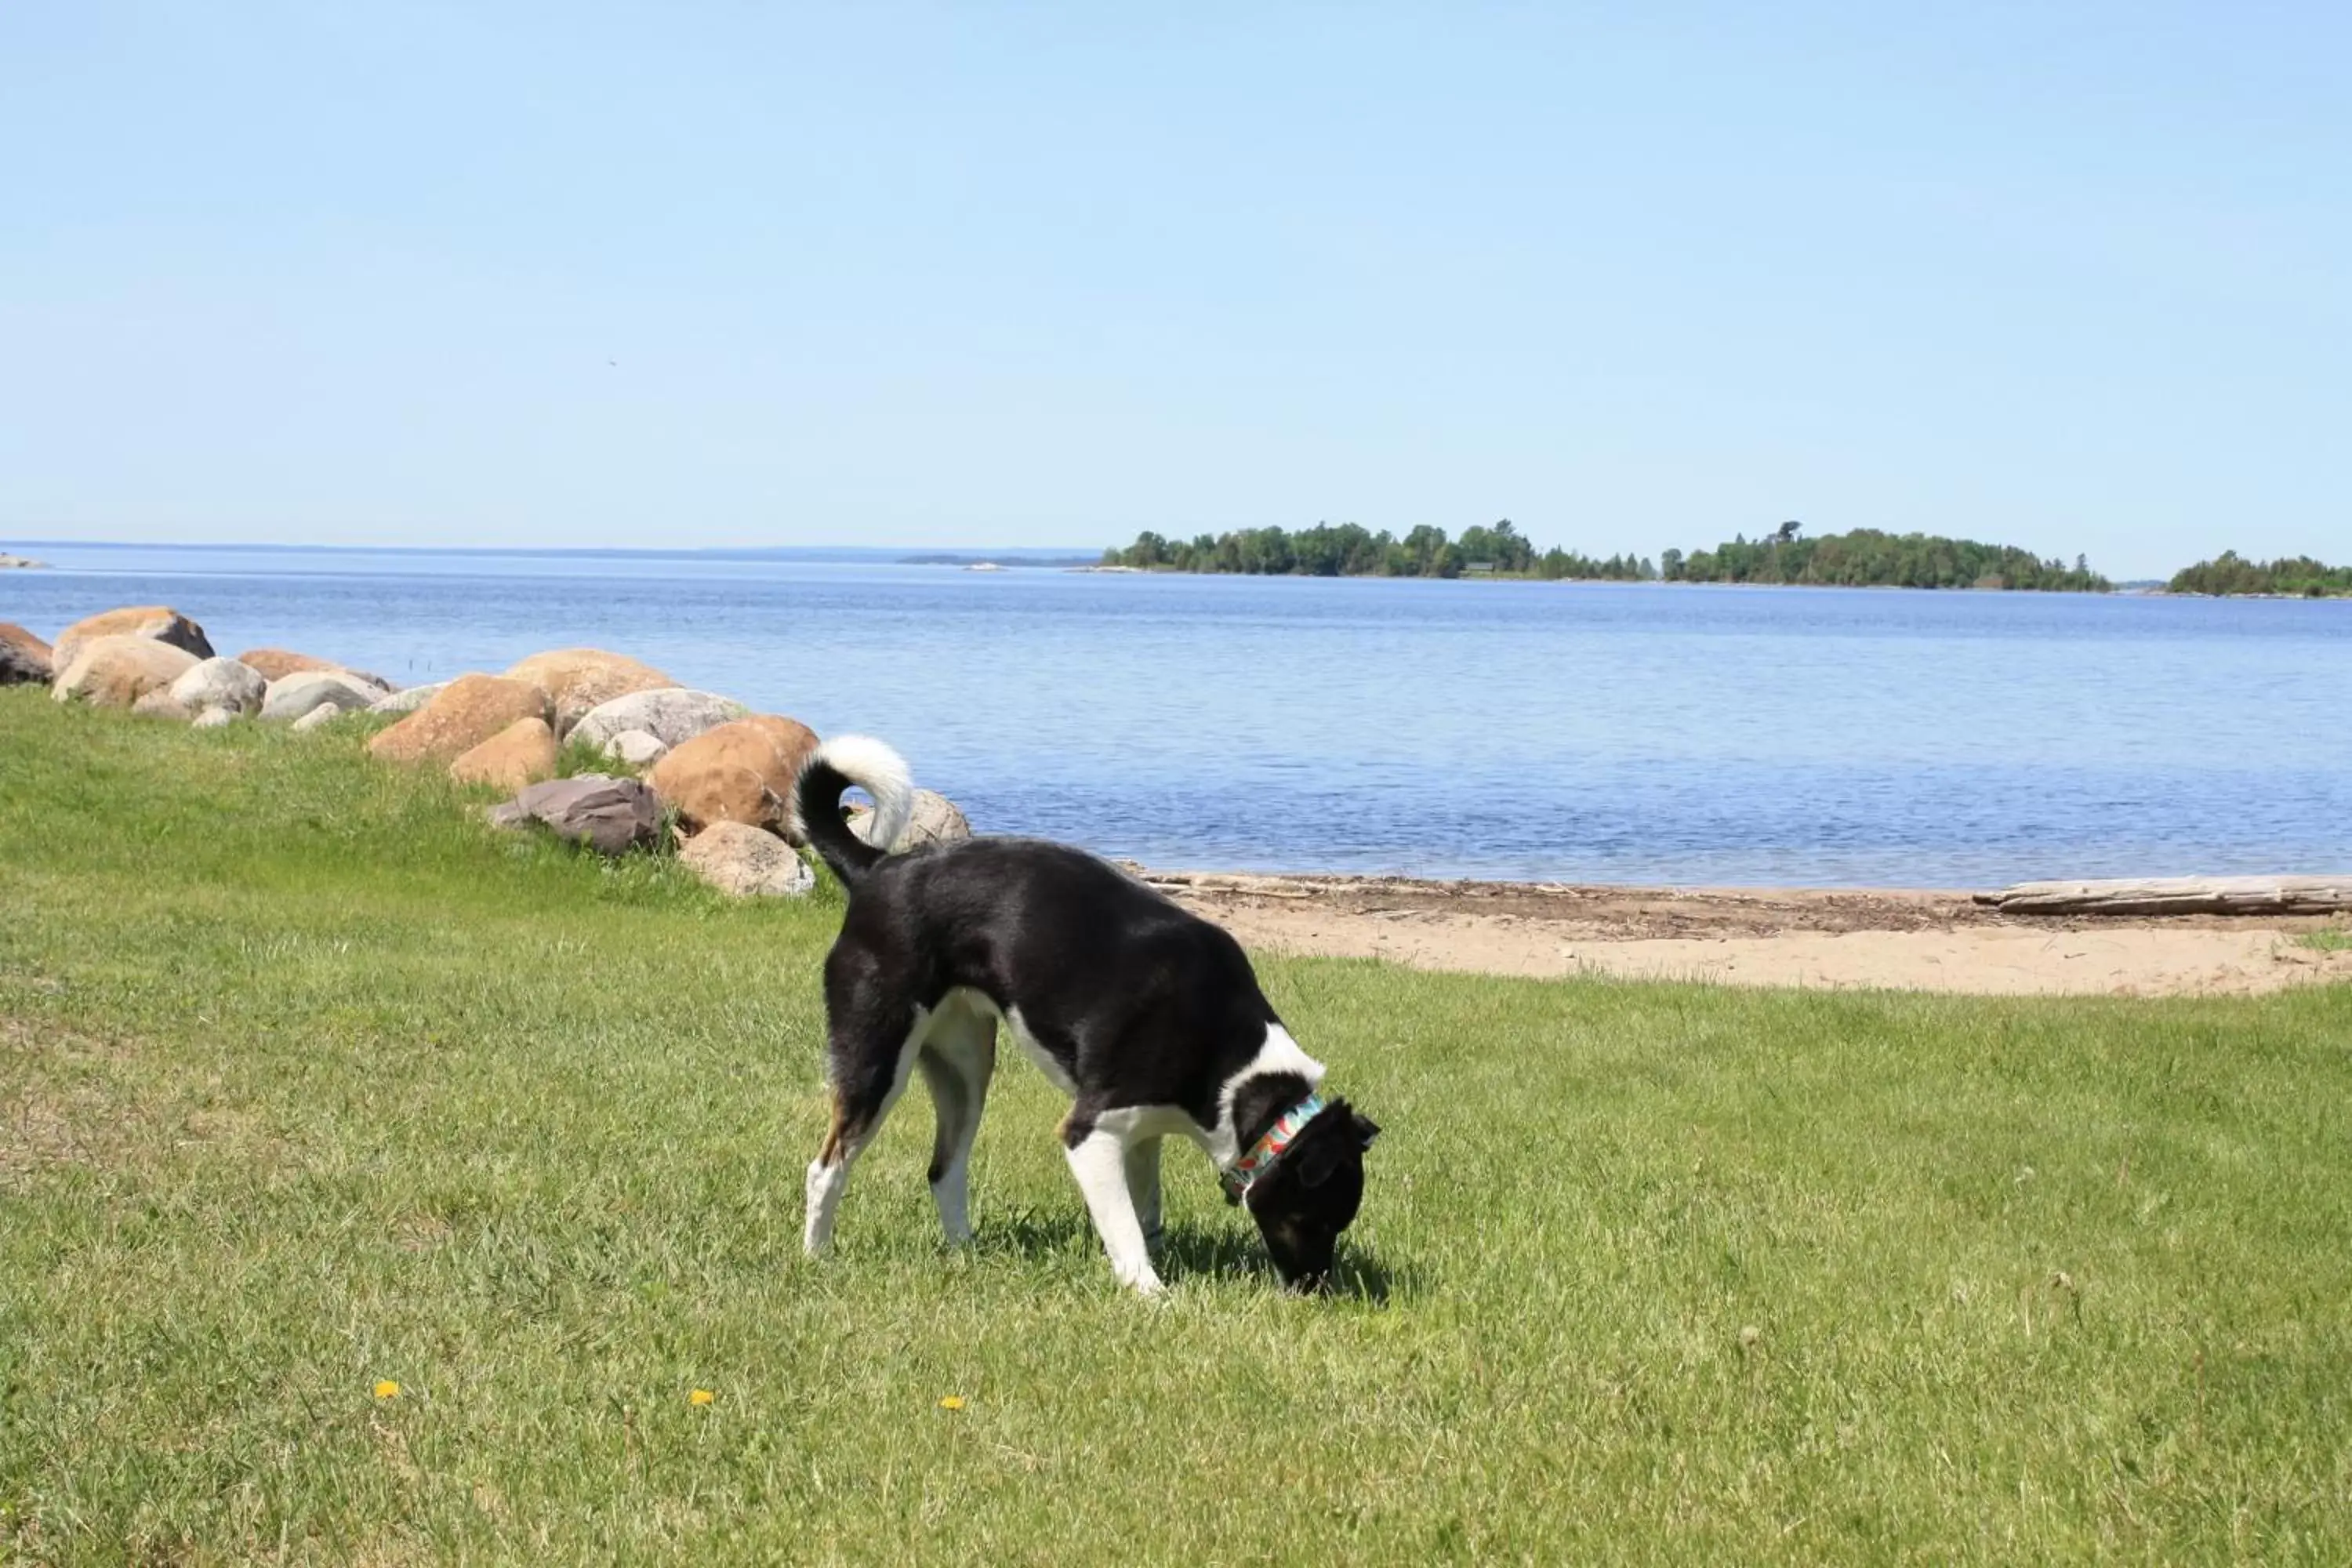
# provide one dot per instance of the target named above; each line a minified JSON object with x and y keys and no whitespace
{"x":157,"y":623}
{"x":277,"y":663}
{"x":578,"y":678}
{"x":522,"y":753}
{"x":461,"y":716}
{"x":24,"y":658}
{"x":740,"y":772}
{"x":745,"y":862}
{"x":117,"y":671}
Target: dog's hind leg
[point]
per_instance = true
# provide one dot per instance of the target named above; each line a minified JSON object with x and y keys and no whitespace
{"x":873,"y":1050}
{"x":958,"y":1058}
{"x":1143,"y":1187}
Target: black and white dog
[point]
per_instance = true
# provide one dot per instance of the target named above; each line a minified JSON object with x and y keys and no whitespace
{"x":1147,"y":1016}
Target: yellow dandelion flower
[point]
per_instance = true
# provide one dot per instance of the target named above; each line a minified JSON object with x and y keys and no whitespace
{"x":700,"y":1396}
{"x":953,"y":1402}
{"x":387,"y":1389}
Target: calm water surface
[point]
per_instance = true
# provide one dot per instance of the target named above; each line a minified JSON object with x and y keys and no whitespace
{"x":1588,"y":732}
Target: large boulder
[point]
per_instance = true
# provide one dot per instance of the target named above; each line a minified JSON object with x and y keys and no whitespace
{"x":25,"y":659}
{"x":461,"y":716}
{"x":672,"y":716}
{"x":579,"y":679}
{"x":932,"y":818}
{"x":409,"y":699}
{"x":157,"y":622}
{"x":221,"y":683}
{"x":746,"y":862}
{"x":215,"y":718}
{"x":117,"y":671}
{"x":522,"y":753}
{"x":611,"y":816}
{"x":296,"y":696}
{"x":740,"y":772}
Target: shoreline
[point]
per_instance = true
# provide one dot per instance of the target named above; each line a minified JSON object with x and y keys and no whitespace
{"x":1835,"y":938}
{"x":2120,"y":591}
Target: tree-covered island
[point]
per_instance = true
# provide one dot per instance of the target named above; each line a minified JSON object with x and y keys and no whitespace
{"x":1863,"y":557}
{"x":2229,"y":573}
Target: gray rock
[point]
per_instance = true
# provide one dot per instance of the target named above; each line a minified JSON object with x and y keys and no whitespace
{"x":636,"y":748}
{"x":671,"y":716}
{"x":745,"y":862}
{"x":221,"y":683}
{"x":214,"y":718}
{"x":409,"y":699}
{"x":318,"y":718}
{"x":611,"y":816}
{"x":301,"y":692}
{"x":934,"y":819}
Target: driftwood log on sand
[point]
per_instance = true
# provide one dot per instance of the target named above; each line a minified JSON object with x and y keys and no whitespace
{"x":2178,"y":896}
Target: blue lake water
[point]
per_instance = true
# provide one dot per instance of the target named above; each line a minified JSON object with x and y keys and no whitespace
{"x":1589,"y":732}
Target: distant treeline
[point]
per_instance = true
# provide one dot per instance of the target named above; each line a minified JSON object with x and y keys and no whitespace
{"x":1867,"y":557}
{"x":1350,"y":550}
{"x":2232,"y":573}
{"x":1864,"y":558}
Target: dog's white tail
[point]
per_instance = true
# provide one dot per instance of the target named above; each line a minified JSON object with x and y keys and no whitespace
{"x":832,"y":769}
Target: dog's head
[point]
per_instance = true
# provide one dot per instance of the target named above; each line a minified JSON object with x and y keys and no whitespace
{"x":1310,"y":1195}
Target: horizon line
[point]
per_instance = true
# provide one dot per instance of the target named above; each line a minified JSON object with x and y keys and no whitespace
{"x":1054,"y":550}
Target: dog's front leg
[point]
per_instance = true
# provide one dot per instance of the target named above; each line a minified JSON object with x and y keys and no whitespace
{"x":1143,"y":1187}
{"x":1099,"y":1160}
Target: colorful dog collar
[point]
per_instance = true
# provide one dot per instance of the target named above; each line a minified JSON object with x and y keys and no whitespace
{"x":1268,"y":1150}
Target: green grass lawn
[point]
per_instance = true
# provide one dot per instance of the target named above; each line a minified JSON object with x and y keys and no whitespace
{"x":309,"y":1081}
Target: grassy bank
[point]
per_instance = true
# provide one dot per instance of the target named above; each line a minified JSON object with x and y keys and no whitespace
{"x":309,"y":1083}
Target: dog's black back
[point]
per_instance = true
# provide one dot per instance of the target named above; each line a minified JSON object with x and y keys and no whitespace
{"x":1024,"y":922}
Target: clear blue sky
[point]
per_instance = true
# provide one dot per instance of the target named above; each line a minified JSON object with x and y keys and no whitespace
{"x":2073,"y":276}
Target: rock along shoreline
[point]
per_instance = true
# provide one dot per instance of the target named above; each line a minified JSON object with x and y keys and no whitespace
{"x":674,"y":769}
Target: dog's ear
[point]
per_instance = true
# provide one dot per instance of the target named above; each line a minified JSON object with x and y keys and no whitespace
{"x":1318,"y":1158}
{"x":1365,"y":1128}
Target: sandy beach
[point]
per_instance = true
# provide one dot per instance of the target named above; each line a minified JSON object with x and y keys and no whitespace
{"x":1925,"y":941}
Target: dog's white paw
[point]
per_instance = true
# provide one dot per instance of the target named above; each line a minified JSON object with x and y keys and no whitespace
{"x":823,"y":1195}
